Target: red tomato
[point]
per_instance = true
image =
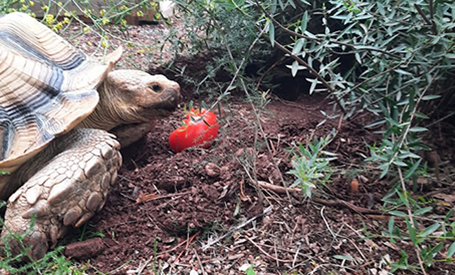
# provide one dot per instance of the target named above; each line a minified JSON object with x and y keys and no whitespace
{"x":200,"y":129}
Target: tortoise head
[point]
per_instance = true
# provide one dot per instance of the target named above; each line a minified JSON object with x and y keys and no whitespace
{"x":136,"y":96}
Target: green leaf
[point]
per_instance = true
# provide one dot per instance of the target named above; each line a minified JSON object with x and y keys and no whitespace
{"x":422,"y":211}
{"x":400,"y":163}
{"x":294,"y":68}
{"x":412,"y":170}
{"x":429,"y":230}
{"x":451,"y":250}
{"x":398,"y":213}
{"x":391,"y":224}
{"x":411,"y":231}
{"x":430,"y":97}
{"x":272,"y":33}
{"x":403,"y":72}
{"x":304,"y":23}
{"x":418,"y":129}
{"x":298,"y":46}
{"x":313,"y":82}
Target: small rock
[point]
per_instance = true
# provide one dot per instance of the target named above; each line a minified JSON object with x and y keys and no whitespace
{"x":212,"y":170}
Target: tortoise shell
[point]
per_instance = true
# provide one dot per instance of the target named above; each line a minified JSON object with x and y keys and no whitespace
{"x":47,"y":87}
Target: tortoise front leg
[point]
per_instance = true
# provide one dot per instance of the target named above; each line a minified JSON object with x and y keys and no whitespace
{"x":66,"y":191}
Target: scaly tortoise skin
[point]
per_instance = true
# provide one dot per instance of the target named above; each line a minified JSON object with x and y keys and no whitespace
{"x":56,"y":106}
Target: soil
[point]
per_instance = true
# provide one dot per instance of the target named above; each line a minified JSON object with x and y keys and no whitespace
{"x":211,"y":210}
{"x":224,"y":209}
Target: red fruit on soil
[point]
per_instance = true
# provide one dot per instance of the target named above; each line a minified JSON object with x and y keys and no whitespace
{"x":199,"y":129}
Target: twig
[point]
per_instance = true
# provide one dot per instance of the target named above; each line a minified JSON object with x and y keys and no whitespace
{"x":420,"y":11}
{"x":243,"y":224}
{"x":152,"y":197}
{"x":411,"y":220}
{"x":267,"y":254}
{"x":199,"y":261}
{"x":296,"y":254}
{"x":180,"y":244}
{"x":333,"y":203}
{"x":327,"y":224}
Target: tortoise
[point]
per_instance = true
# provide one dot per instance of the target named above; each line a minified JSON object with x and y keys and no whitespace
{"x":57,"y":104}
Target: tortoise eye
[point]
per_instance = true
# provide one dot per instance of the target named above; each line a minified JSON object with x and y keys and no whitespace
{"x":156,"y":88}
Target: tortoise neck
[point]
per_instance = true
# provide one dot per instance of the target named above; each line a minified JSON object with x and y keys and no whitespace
{"x":107,"y":114}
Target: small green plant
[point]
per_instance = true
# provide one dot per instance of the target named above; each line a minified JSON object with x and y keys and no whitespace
{"x":53,"y":263}
{"x":250,"y":270}
{"x":312,"y":165}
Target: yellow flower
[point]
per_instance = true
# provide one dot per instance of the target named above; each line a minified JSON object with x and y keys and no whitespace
{"x":67,"y":14}
{"x":86,"y":29}
{"x":140,"y":13}
{"x":66,"y":20}
{"x":22,"y":1}
{"x":158,"y":16}
{"x":24,"y":7}
{"x":123,"y":8}
{"x":153,"y":4}
{"x":123,"y":22}
{"x":60,"y":4}
{"x":102,"y":12}
{"x":32,"y":14}
{"x":104,"y":43}
{"x":89,"y":43}
{"x":59,"y":25}
{"x":105,"y":21}
{"x":49,"y":19}
{"x":31,"y":3}
{"x":141,"y":51}
{"x":45,"y":8}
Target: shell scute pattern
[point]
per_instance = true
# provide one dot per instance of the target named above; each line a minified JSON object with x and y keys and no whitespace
{"x":47,"y":87}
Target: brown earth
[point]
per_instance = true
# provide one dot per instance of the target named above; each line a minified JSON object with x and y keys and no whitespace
{"x":187,"y":211}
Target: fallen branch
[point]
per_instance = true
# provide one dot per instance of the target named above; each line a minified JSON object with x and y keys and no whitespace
{"x":334,"y":203}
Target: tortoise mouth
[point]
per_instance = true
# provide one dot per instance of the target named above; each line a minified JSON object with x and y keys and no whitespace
{"x":163,"y":108}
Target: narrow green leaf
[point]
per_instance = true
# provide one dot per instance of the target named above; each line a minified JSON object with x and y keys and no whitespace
{"x":400,"y":163}
{"x":391,"y":224}
{"x":403,"y":72}
{"x":432,"y":253}
{"x":313,"y":82}
{"x":429,"y":230}
{"x":298,"y":46}
{"x":412,"y":170}
{"x":422,"y":211}
{"x":451,"y":250}
{"x":411,"y":231}
{"x":418,"y":129}
{"x":272,"y":33}
{"x":294,"y":68}
{"x":430,"y":97}
{"x":398,"y":213}
{"x":304,"y":23}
